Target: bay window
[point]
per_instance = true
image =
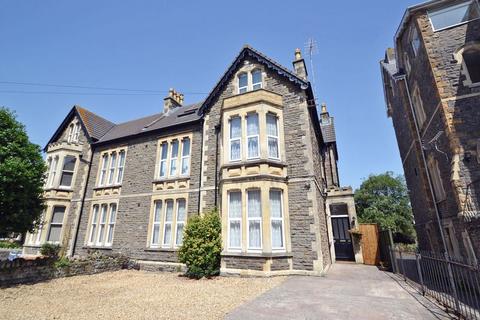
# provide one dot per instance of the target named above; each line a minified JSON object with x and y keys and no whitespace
{"x":235,"y":138}
{"x":67,"y":171}
{"x":252,"y":136}
{"x":254,"y":217}
{"x":235,"y":220}
{"x":53,"y":171}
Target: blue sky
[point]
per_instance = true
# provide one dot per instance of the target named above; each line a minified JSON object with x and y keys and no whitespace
{"x":155,"y":45}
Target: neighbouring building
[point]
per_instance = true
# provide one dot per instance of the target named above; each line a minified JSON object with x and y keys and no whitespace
{"x":431,"y":81}
{"x":255,"y":148}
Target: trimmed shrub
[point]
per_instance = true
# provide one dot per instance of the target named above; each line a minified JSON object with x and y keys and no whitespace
{"x":63,"y":262}
{"x":9,"y":245}
{"x":202,"y":245}
{"x":50,"y":250}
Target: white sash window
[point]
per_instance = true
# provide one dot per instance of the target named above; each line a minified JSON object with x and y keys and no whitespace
{"x":235,"y":220}
{"x":167,"y":226}
{"x":235,"y":138}
{"x":180,"y":223}
{"x":254,"y":217}
{"x":113,"y":163}
{"x":252,"y":136}
{"x":174,"y":158}
{"x":276,"y":219}
{"x":185,"y":156}
{"x":272,"y":136}
{"x":157,"y":216}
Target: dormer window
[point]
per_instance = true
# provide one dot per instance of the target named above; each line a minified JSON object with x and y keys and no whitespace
{"x":257,"y":79}
{"x":455,"y":15}
{"x":242,"y":83}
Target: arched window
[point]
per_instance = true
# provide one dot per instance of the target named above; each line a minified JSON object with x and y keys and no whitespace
{"x":242,"y":82}
{"x":471,"y":57}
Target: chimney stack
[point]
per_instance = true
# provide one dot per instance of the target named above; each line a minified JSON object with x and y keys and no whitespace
{"x":299,"y":65}
{"x":172,"y":101}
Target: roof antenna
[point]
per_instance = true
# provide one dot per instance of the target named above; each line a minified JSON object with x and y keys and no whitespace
{"x":312,"y":49}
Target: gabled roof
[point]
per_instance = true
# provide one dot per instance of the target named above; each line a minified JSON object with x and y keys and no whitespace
{"x":177,"y":116}
{"x":248,"y":51}
{"x":95,"y":126}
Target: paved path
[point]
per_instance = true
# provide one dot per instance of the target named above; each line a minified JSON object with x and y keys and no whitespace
{"x":348,"y":291}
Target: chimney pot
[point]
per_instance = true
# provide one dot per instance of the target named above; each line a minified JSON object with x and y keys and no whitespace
{"x":298,"y":54}
{"x":299,"y":65}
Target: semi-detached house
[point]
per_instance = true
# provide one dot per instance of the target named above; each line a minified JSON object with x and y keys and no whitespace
{"x":256,"y":149}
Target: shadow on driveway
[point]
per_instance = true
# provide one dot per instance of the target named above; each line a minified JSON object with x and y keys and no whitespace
{"x":348,"y":291}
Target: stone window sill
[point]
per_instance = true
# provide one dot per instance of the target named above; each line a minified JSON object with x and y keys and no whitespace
{"x":108,"y":187}
{"x":161,"y":249}
{"x":258,"y":255}
{"x":256,"y":162}
{"x":172,"y":179}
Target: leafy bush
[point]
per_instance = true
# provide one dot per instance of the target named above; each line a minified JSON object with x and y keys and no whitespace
{"x":63,"y":262}
{"x":50,"y":250}
{"x":9,"y":245}
{"x":202,"y":246}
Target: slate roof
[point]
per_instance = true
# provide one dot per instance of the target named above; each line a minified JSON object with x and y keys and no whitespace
{"x":95,"y":125}
{"x":328,"y":131}
{"x":177,"y":116}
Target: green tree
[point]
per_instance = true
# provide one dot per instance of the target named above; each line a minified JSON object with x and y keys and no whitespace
{"x":21,"y":177}
{"x":383,"y":199}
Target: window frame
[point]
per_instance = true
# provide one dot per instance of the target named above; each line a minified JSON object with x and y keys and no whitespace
{"x":185,"y":157}
{"x":164,"y":161}
{"x":104,"y":164}
{"x":257,"y":71}
{"x":418,"y":107}
{"x":252,"y":136}
{"x":122,"y":158}
{"x":53,"y":171}
{"x":93,"y":224}
{"x":56,"y":224}
{"x":174,"y":158}
{"x":277,"y":137}
{"x":60,"y":185}
{"x":169,"y":222}
{"x":437,"y":183}
{"x":100,"y":238}
{"x":449,"y":8}
{"x":281,"y":219}
{"x":183,"y":222}
{"x":259,"y":219}
{"x":415,"y":41}
{"x":240,"y":88}
{"x":157,"y":203}
{"x":239,"y":138}
{"x":112,"y":168}
{"x":230,"y":219}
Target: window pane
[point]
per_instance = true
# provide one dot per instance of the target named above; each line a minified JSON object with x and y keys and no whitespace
{"x":158,"y":211}
{"x":254,"y":205}
{"x":275,"y":203}
{"x":242,"y":80}
{"x":257,"y":76}
{"x":169,"y":212}
{"x":110,"y":234}
{"x":271,"y":125}
{"x":252,"y":124}
{"x":235,"y":128}
{"x":103,"y":216}
{"x":174,"y":155}
{"x":113,"y":213}
{"x":164,"y":150}
{"x":235,"y":149}
{"x":453,"y":15}
{"x":69,"y":163}
{"x":168,"y":234}
{"x":253,"y":147}
{"x":277,"y":234}
{"x":273,"y":148}
{"x":54,"y":234}
{"x":179,"y":235}
{"x":254,"y":234}
{"x":58,"y":213}
{"x":163,"y":168}
{"x":235,"y":205}
{"x":181,"y":210}
{"x":186,"y":147}
{"x":66,"y":180}
{"x":156,"y":234}
{"x":185,"y":165}
{"x":235,"y":234}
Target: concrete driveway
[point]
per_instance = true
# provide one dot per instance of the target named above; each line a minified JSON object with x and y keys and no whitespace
{"x":348,"y":291}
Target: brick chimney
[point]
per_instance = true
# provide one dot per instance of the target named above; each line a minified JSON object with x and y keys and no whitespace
{"x":299,"y":65}
{"x":172,"y":101}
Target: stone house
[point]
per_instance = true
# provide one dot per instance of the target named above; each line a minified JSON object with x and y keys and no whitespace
{"x":431,"y":82}
{"x":255,"y":148}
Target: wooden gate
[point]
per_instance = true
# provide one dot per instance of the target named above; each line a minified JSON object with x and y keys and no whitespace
{"x":370,"y":247}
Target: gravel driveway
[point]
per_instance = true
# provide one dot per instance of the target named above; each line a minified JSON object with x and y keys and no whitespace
{"x":131,"y":295}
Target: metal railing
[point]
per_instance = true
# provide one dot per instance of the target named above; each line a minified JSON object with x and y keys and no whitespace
{"x":454,"y":284}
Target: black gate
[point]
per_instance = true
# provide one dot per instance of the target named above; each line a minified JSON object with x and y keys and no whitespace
{"x":342,"y":239}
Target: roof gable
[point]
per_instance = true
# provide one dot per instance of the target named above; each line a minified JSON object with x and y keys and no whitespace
{"x":94,"y":126}
{"x":246,"y":52}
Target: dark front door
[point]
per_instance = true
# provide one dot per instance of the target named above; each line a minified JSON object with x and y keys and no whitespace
{"x":342,"y":239}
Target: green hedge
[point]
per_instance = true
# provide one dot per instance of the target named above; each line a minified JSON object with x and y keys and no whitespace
{"x":202,"y":245}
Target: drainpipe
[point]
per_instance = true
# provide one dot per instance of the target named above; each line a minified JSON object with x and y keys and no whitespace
{"x":430,"y":185}
{"x":217,"y":132}
{"x":77,"y":226}
{"x":201,"y":168}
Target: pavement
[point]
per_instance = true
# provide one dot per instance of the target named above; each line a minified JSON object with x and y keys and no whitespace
{"x":348,"y":291}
